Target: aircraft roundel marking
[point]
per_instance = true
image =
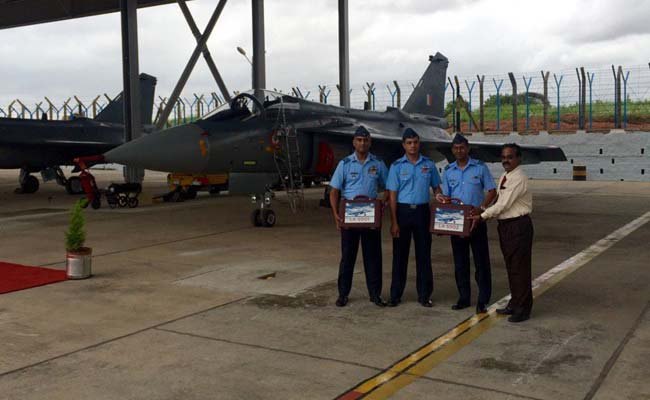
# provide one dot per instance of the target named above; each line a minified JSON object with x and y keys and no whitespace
{"x":275,"y":140}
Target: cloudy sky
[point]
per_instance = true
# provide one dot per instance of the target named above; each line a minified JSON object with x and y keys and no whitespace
{"x":388,"y":40}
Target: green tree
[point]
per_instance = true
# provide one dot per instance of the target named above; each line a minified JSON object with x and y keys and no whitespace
{"x":76,"y":234}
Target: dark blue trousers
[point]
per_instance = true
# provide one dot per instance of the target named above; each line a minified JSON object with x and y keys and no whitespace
{"x":478,"y":241}
{"x":371,"y":250}
{"x":413,"y":222}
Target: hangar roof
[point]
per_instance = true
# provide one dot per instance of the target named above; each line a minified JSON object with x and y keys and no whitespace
{"x":15,"y":13}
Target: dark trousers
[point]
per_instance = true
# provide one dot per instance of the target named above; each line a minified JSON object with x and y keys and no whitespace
{"x":412,"y":222}
{"x":371,"y":250}
{"x":478,"y":241}
{"x":516,"y":237}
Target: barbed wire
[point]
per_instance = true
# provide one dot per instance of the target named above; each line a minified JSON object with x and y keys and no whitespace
{"x":564,"y":87}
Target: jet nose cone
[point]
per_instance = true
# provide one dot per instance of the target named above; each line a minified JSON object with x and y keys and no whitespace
{"x":183,"y":148}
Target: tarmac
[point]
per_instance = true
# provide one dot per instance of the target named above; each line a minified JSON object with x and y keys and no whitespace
{"x":189,"y":301}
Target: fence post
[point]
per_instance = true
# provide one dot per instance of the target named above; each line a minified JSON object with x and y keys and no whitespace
{"x":161,"y":106}
{"x":453,"y":102}
{"x":545,"y":79}
{"x":42,"y":112}
{"x":583,"y":96}
{"x":590,"y":77}
{"x":399,"y":94}
{"x":626,"y":76}
{"x":617,"y":98}
{"x":217,"y":99}
{"x":370,"y":93}
{"x":322,"y":96}
{"x":469,"y":105}
{"x":94,"y":105}
{"x":65,"y":109}
{"x":527,"y":84}
{"x":198,"y":100}
{"x":558,"y":83}
{"x":481,"y":111}
{"x":392,"y":96}
{"x":82,"y":108}
{"x":457,"y":104}
{"x":513,"y":82}
{"x":22,"y":108}
{"x":498,"y":88}
{"x":51,"y":107}
{"x":579,"y":99}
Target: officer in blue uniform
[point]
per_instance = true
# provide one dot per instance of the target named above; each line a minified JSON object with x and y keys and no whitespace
{"x":468,"y":179}
{"x":359,"y":174}
{"x":409,"y":180}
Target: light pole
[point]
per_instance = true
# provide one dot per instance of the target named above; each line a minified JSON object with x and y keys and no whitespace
{"x":243,"y":53}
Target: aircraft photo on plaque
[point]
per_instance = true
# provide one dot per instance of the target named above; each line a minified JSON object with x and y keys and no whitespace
{"x":450,"y":219}
{"x":361,"y":213}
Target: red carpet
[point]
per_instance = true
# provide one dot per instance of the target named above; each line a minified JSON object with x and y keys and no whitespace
{"x":18,"y":277}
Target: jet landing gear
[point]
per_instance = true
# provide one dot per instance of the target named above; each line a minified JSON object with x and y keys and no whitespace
{"x":72,"y":184}
{"x":28,"y":183}
{"x":263,"y":215}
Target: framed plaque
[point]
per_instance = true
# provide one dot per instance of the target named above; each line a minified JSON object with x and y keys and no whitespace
{"x":360,"y":213}
{"x":451,"y":219}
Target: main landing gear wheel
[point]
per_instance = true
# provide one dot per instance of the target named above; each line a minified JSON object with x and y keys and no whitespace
{"x":29,"y":185}
{"x":73,"y":185}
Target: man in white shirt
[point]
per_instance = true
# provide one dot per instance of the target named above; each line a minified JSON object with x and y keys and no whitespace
{"x":512,"y":210}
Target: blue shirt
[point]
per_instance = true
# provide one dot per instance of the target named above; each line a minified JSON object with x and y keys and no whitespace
{"x":412,"y":181}
{"x":355,"y":179}
{"x":469,"y":184}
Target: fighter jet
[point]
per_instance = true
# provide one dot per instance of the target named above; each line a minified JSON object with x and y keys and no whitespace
{"x":40,"y":145}
{"x":260,"y":137}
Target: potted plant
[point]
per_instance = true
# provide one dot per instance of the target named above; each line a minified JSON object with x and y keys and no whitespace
{"x":78,"y":257}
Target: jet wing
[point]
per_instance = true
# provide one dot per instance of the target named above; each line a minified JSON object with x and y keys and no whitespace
{"x":485,"y":151}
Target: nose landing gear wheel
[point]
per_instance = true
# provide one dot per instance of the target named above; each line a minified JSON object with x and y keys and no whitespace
{"x":122,"y":200}
{"x":268,"y":218}
{"x":256,"y":217}
{"x":73,"y":185}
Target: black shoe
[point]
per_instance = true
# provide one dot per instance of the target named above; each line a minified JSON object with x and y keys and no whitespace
{"x":459,"y":306}
{"x":518,"y":317}
{"x":342,"y":301}
{"x":505,"y":311}
{"x":378,"y":301}
{"x":394,"y":302}
{"x":481,"y":309}
{"x":426,"y":303}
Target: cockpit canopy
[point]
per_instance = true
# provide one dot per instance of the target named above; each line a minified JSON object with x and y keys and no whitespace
{"x":246,"y":106}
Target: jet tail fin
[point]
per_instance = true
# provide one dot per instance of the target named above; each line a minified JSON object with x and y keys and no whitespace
{"x":114,"y":111}
{"x":428,"y":97}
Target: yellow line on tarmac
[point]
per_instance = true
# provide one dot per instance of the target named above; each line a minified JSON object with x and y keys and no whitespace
{"x":418,"y":363}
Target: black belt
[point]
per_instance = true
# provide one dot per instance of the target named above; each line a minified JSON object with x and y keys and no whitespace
{"x":505,"y":220}
{"x":412,"y":206}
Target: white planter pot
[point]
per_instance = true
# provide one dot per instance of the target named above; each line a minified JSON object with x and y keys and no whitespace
{"x":78,"y":263}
